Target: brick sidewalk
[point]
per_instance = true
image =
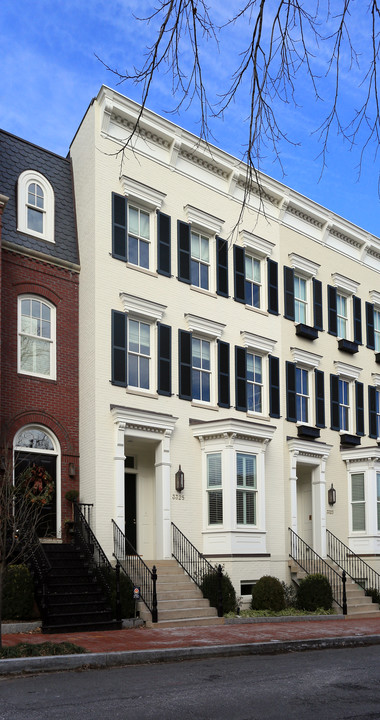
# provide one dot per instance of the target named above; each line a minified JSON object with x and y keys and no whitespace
{"x":204,"y":636}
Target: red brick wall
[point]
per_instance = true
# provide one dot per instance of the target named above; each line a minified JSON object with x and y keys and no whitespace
{"x":26,"y":399}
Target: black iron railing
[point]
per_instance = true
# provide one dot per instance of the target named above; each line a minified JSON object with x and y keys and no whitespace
{"x":86,"y":509}
{"x":138,"y":572}
{"x":312,"y":563}
{"x":194,"y":563}
{"x":94,"y":554}
{"x":40,"y":567}
{"x":356,"y":568}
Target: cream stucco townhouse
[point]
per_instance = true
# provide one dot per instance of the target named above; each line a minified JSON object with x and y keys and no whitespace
{"x":251,"y":360}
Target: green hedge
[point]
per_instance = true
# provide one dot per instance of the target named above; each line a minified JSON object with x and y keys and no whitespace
{"x":268,"y":594}
{"x":209,"y":587}
{"x":314,"y":592}
{"x":18,"y":593}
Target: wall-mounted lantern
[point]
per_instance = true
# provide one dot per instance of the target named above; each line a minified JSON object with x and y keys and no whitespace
{"x":331,"y":495}
{"x":71,"y":470}
{"x":179,"y":480}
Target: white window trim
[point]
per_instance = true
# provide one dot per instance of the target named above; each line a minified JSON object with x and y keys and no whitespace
{"x":302,"y":266}
{"x":344,"y":285}
{"x":202,"y":221}
{"x":148,"y":199}
{"x":210,"y":329}
{"x":151,"y":245}
{"x":211,"y":373}
{"x":364,"y":460}
{"x":258,"y":345}
{"x":347,"y":372}
{"x":258,"y":249}
{"x":24,"y":180}
{"x":52,"y":340}
{"x":152,"y":365}
{"x":306,"y":359}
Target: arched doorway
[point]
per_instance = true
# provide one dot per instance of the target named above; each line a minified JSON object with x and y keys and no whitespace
{"x":37,"y":447}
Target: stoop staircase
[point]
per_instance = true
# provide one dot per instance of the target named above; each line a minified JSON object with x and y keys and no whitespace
{"x":179,"y":600}
{"x":75,"y":600}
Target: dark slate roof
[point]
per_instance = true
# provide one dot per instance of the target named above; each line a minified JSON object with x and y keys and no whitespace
{"x":17,"y":155}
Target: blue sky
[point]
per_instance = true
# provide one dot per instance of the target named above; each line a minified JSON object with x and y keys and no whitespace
{"x":49,"y":74}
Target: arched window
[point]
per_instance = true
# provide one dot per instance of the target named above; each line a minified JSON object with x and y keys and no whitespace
{"x":35,"y":207}
{"x":36,"y":337}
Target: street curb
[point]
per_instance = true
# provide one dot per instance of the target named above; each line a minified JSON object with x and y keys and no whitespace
{"x":34,"y":665}
{"x":283,"y":618}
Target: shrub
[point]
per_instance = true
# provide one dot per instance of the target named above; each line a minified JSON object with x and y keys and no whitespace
{"x":126,"y":593}
{"x":18,"y":593}
{"x":72,"y":495}
{"x":314,"y":592}
{"x":268,"y":594}
{"x":290,"y":594}
{"x":209,"y":587}
{"x":374,"y":594}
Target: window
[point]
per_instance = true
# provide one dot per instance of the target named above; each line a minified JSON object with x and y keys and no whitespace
{"x":342,"y":316}
{"x":36,"y":337}
{"x":214,"y":489}
{"x":357,"y":502}
{"x":138,"y":354}
{"x":302,"y":395}
{"x":200,"y":260}
{"x":300,"y":301}
{"x":138,"y":237}
{"x":344,"y":405}
{"x":201,"y":369}
{"x":35,"y":205}
{"x":254,"y":383}
{"x":246,"y":480}
{"x":376,"y":324}
{"x":252,"y":281}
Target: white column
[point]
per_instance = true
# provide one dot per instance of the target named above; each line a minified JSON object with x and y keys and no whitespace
{"x":119,"y":460}
{"x":293,"y":490}
{"x":163,"y":518}
{"x":318,"y":487}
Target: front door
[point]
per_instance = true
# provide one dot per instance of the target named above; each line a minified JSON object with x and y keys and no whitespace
{"x":47,"y":523}
{"x":304,"y":510}
{"x":130,"y":509}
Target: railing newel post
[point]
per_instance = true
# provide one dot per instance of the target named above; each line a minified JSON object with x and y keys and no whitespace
{"x":344,"y":593}
{"x":154,"y":595}
{"x":118,"y":599}
{"x":220,"y":591}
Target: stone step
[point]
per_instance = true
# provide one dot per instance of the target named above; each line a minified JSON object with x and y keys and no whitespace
{"x":189,"y":592}
{"x":187,"y":622}
{"x":185,"y":603}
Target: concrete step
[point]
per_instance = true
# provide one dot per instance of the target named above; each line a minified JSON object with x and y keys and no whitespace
{"x":187,"y":622}
{"x":189,"y":592}
{"x":185,"y":603}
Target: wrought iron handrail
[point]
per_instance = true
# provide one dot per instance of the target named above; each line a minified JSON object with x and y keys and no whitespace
{"x":92,"y":550}
{"x":135,"y":568}
{"x":356,"y":568}
{"x":312,"y":563}
{"x":194,"y":563}
{"x":41,"y":567}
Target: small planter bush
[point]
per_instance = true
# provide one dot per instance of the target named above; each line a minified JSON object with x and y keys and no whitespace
{"x":209,"y":587}
{"x":268,"y":594}
{"x":126,"y":593}
{"x":374,"y":594}
{"x":18,"y":593}
{"x":314,"y":592}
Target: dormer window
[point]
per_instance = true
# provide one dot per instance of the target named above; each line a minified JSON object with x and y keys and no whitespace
{"x":35,"y":206}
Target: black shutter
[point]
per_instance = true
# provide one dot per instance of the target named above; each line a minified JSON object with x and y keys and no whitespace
{"x":291,"y":412}
{"x":119,"y":348}
{"x":221,"y":267}
{"x":272,"y":287}
{"x":334,"y":402}
{"x":274,"y":386}
{"x":164,"y":343}
{"x":331,"y":303}
{"x":240,"y":378}
{"x":184,"y":361}
{"x":319,"y":399}
{"x":359,"y":392}
{"x":223,"y":374}
{"x":183,"y":231}
{"x":357,"y":320}
{"x":163,"y":244}
{"x":239,"y":274}
{"x":289,"y":293}
{"x":317,"y":302}
{"x":119,"y":227}
{"x":372,"y":415}
{"x":370,"y":318}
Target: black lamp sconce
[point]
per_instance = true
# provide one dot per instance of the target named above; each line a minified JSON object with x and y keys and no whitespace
{"x":71,"y":470}
{"x":331,"y":495}
{"x":179,"y":480}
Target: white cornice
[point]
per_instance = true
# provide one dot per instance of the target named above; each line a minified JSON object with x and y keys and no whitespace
{"x":234,"y":429}
{"x":203,"y":326}
{"x":3,"y":201}
{"x":303,"y":265}
{"x":376,"y":379}
{"x":144,"y":194}
{"x":305,"y":358}
{"x":345,"y":284}
{"x":262,"y":248}
{"x":375,"y":297}
{"x":307,"y":448}
{"x":203,"y":220}
{"x":350,"y":372}
{"x":258,"y":342}
{"x":143,"y":420}
{"x":141,"y":307}
{"x":364,"y":454}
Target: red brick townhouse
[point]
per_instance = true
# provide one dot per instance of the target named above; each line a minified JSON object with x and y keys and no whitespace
{"x":39,"y":277}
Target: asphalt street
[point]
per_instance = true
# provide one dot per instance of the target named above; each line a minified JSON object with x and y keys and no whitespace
{"x":326,"y":684}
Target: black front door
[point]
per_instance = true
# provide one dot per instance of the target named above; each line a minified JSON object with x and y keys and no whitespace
{"x":47,"y":523}
{"x":130,"y":509}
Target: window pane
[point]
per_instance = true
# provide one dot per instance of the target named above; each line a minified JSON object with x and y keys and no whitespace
{"x":258,"y":366}
{"x":205,"y":355}
{"x":195,"y":246}
{"x":196,"y":385}
{"x":133,"y":250}
{"x":144,"y":254}
{"x":133,"y":370}
{"x":214,"y":470}
{"x":133,"y":221}
{"x":45,"y":329}
{"x":144,"y":225}
{"x":133,"y":336}
{"x":205,"y":387}
{"x":144,"y":338}
{"x":357,"y":481}
{"x":257,"y":398}
{"x":358,"y":516}
{"x":204,"y":277}
{"x":250,"y":508}
{"x":194,"y":269}
{"x":196,"y":350}
{"x":215,"y":507}
{"x":42,"y":357}
{"x":25,"y":307}
{"x":45,"y":312}
{"x":32,"y":438}
{"x":35,"y":220}
{"x":256,"y":271}
{"x":144,"y":373}
{"x":204,"y":250}
{"x":248,"y":268}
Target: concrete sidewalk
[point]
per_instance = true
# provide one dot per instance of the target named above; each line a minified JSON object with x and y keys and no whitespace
{"x":147,"y":645}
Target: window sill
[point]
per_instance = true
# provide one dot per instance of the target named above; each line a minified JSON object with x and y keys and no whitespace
{"x":308,"y":432}
{"x":142,"y":393}
{"x":209,"y":293}
{"x":348,"y":346}
{"x":145,"y":271}
{"x":256,"y":310}
{"x":36,"y":377}
{"x":206,"y":406}
{"x":306,"y":331}
{"x":258,"y":416}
